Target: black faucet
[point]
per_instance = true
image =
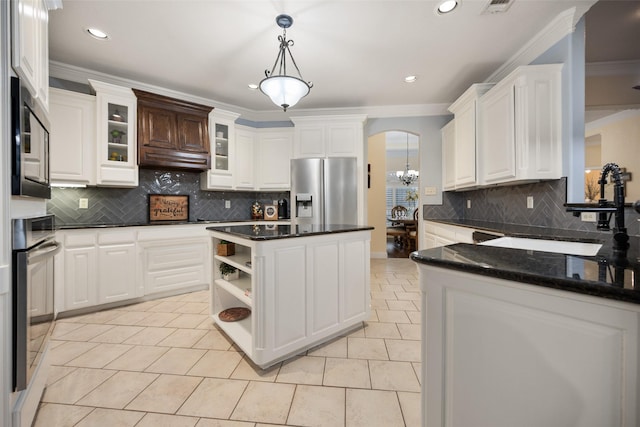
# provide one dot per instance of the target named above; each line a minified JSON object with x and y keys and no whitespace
{"x":605,"y":208}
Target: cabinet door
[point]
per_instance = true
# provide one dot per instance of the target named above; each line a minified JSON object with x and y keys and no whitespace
{"x":193,"y":133}
{"x":26,"y":15}
{"x":309,"y":141}
{"x":244,"y":175}
{"x":275,"y":161}
{"x":448,"y":156}
{"x":80,"y":285}
{"x":73,"y":137}
{"x":116,"y":130}
{"x":117,"y":272}
{"x":157,"y":127}
{"x":465,"y":145}
{"x":498,"y":135}
{"x":344,"y":140}
{"x":43,"y":45}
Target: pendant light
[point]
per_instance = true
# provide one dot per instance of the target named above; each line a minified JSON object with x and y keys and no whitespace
{"x":284,"y":90}
{"x":408,"y":176}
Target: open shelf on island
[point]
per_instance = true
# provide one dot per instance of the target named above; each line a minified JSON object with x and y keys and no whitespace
{"x":238,"y":261}
{"x":239,"y":331}
{"x":237,"y":288}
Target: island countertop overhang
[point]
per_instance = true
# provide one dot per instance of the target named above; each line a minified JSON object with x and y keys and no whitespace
{"x":279,"y":231}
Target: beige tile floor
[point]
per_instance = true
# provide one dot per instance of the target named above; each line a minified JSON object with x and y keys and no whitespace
{"x":163,"y":363}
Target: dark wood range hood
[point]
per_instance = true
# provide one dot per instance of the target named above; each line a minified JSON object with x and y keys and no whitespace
{"x":172,"y":134}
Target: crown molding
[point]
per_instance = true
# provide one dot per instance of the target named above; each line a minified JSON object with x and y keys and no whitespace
{"x":612,"y":68}
{"x":83,"y":75}
{"x":563,"y":25}
{"x":613,"y":118}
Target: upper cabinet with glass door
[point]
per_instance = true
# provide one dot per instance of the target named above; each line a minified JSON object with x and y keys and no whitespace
{"x":222,"y":136}
{"x":116,"y":135}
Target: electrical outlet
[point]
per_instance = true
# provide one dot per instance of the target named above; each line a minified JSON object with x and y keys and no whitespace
{"x":430,"y":191}
{"x":83,"y":203}
{"x":227,"y":204}
{"x":468,"y":203}
{"x":529,"y":202}
{"x":588,"y":216}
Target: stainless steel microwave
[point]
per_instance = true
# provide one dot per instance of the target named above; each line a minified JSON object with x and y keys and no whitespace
{"x":30,"y":145}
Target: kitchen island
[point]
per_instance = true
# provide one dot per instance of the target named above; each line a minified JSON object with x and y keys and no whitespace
{"x":302,"y":285}
{"x":530,"y":338}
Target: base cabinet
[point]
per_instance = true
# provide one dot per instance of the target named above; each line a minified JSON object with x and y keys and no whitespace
{"x":300,"y":291}
{"x":104,"y":266}
{"x":500,"y":353}
{"x":171,"y":265}
{"x":117,"y":271}
{"x":439,"y":234}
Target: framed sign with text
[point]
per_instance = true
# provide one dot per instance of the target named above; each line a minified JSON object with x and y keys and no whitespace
{"x":164,"y":207}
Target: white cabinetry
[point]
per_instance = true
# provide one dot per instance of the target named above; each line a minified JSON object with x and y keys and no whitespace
{"x":30,"y":25}
{"x":521,"y":126}
{"x":500,"y":353}
{"x":465,"y":136}
{"x":223,"y":151}
{"x":439,"y":234}
{"x":76,"y":266}
{"x":301,"y":291}
{"x":449,"y":156}
{"x":116,"y":278}
{"x":108,"y":265}
{"x":244,"y":164}
{"x":175,"y":258}
{"x":73,"y":137}
{"x":328,"y":136}
{"x":255,"y":159}
{"x":275,"y":148}
{"x":116,"y":135}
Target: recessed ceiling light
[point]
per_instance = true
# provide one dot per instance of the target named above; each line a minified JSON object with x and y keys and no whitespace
{"x":410,"y":79}
{"x":253,"y":86}
{"x":99,"y":34}
{"x":447,"y":6}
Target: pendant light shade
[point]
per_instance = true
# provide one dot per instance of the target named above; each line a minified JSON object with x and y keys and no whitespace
{"x":284,"y":90}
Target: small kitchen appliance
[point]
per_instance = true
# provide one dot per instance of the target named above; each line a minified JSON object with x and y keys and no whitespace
{"x":29,"y":145}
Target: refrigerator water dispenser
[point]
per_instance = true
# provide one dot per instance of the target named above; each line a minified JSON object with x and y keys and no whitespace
{"x":304,"y":205}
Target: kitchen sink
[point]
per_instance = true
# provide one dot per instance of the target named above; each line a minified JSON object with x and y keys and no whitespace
{"x":556,"y":246}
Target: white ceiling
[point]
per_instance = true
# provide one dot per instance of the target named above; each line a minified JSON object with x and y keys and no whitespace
{"x":356,"y":52}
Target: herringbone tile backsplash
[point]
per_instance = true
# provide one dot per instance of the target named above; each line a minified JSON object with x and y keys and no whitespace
{"x":131,"y":205}
{"x":508,"y":205}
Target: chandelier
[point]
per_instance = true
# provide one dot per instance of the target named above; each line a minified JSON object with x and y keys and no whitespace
{"x":408,"y":176}
{"x":285,"y":91}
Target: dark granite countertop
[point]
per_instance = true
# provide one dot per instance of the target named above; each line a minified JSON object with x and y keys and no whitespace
{"x":142,"y":224}
{"x":270,"y":232}
{"x":608,"y":274}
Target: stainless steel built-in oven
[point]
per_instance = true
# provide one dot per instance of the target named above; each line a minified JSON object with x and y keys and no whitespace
{"x":30,"y":145}
{"x":34,"y":247}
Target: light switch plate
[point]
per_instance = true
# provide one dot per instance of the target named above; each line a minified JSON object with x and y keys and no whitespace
{"x":83,"y":203}
{"x":227,"y":204}
{"x":430,"y":191}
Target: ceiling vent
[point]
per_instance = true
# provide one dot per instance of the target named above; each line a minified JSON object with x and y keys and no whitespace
{"x":497,"y":6}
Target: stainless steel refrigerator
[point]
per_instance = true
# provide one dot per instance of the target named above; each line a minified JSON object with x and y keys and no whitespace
{"x":324,"y":191}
